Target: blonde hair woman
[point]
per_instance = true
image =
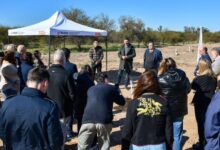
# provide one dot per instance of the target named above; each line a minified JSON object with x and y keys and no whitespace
{"x":204,"y":85}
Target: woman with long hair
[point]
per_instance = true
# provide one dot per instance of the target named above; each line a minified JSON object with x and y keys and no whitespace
{"x":175,"y":88}
{"x":10,"y":82}
{"x":204,"y":86}
{"x":148,"y":123}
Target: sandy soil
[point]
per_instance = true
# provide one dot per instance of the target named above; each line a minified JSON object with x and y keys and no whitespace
{"x":185,"y":60}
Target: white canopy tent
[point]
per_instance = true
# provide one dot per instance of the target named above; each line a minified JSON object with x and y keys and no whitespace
{"x":58,"y":25}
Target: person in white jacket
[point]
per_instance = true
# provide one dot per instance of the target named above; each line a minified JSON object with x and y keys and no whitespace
{"x":9,"y":79}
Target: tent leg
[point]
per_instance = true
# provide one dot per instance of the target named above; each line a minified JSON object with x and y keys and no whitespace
{"x":64,"y":44}
{"x":8,"y":39}
{"x":49,"y":47}
{"x":106,"y":54}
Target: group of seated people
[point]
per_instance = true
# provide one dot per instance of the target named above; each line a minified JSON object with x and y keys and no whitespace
{"x":39,"y":105}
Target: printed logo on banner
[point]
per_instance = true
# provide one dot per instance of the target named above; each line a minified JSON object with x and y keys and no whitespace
{"x":62,"y":33}
{"x":18,"y":33}
{"x":41,"y":33}
{"x":97,"y":34}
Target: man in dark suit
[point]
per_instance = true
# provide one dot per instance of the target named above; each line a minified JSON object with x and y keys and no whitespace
{"x":71,"y":68}
{"x":61,"y":89}
{"x":72,"y":71}
{"x":30,"y":121}
{"x":97,"y":117}
{"x":126,"y":54}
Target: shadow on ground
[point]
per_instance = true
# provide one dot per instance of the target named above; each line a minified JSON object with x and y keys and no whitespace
{"x":70,"y":147}
{"x":113,"y":74}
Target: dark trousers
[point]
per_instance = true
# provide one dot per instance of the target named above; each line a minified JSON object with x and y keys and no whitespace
{"x":96,"y":68}
{"x":127,"y":76}
{"x":79,"y":123}
{"x":69,"y":125}
{"x":200,"y":111}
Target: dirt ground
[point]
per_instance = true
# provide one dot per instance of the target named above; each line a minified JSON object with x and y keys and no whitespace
{"x":186,"y":60}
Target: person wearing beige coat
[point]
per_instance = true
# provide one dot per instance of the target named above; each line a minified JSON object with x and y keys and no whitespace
{"x":9,"y":79}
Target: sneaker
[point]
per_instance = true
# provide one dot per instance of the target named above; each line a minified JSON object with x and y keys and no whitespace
{"x":70,"y":136}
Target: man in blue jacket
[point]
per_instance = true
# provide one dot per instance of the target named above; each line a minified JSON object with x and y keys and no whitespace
{"x":204,"y":55}
{"x":30,"y":121}
{"x":97,"y":117}
{"x":152,"y":58}
{"x":212,"y":124}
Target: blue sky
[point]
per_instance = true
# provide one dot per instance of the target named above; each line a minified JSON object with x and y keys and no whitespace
{"x":172,"y":14}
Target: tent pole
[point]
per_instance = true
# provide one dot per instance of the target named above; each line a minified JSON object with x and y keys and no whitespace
{"x":8,"y":39}
{"x":49,"y":43}
{"x":64,"y":44}
{"x":106,"y":54}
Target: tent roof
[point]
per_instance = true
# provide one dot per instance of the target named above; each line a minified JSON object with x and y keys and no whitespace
{"x":57,"y":25}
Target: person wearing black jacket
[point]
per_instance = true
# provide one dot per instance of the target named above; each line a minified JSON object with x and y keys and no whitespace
{"x":83,"y":82}
{"x":61,"y":88}
{"x":148,"y":123}
{"x":97,"y":117}
{"x":126,"y":54}
{"x":72,"y":71}
{"x":175,"y":87}
{"x":26,"y":66}
{"x":204,"y":85}
{"x":71,"y":68}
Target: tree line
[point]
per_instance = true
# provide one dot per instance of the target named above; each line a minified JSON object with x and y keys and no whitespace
{"x":126,"y":26}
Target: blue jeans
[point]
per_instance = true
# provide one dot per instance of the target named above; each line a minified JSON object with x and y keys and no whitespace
{"x":127,"y":76}
{"x":149,"y":147}
{"x":177,"y":133}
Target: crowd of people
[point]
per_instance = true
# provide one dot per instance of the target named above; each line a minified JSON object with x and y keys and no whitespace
{"x":39,"y":103}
